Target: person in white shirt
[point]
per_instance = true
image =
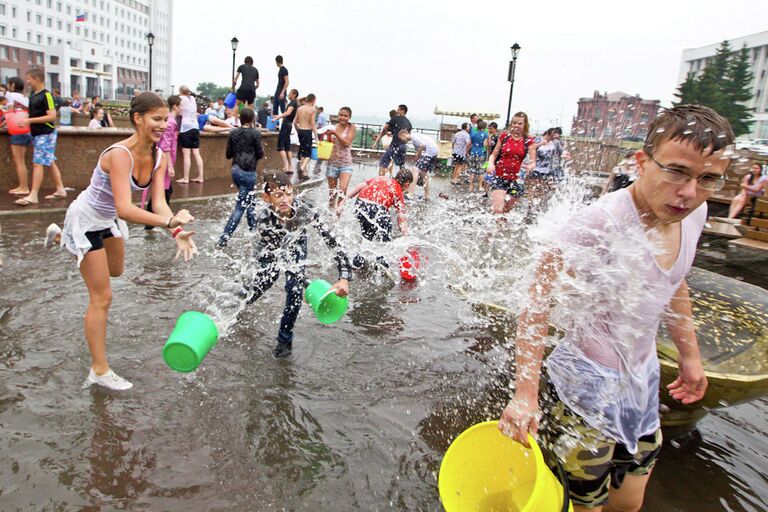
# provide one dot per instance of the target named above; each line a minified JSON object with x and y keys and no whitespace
{"x":607,"y":279}
{"x":426,"y":157}
{"x":189,"y":135}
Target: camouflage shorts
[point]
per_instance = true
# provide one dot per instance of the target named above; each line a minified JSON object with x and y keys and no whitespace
{"x":594,"y":464}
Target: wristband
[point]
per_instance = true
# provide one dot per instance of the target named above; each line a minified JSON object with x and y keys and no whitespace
{"x":168,"y":224}
{"x":176,"y":232}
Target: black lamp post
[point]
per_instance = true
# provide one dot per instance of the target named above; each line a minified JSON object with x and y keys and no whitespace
{"x":511,"y":78}
{"x":150,"y":42}
{"x":234,"y":42}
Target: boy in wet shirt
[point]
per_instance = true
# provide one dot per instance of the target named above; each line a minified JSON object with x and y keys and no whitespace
{"x":615,"y":270}
{"x":282,"y":228}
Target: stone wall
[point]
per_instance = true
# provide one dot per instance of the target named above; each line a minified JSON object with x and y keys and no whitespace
{"x":78,"y":150}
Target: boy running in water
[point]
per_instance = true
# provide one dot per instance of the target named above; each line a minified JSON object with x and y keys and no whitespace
{"x":426,"y":157}
{"x":618,"y":268}
{"x":282,"y":227}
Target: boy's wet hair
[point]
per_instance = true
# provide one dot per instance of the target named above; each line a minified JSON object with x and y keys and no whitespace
{"x":279,"y":59}
{"x":249,"y":60}
{"x":403,"y":108}
{"x":275,"y":180}
{"x":392,"y":113}
{"x":695,"y":124}
{"x":481,"y":125}
{"x":557,"y":130}
{"x":464,"y":126}
{"x":311,"y":97}
{"x":493,"y":124}
{"x":403,"y":177}
{"x":403,"y":132}
{"x":247,"y":116}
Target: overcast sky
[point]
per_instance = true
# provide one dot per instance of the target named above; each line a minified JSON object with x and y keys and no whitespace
{"x":371,"y":56}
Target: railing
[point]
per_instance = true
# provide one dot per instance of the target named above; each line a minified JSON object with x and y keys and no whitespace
{"x":364,"y":137}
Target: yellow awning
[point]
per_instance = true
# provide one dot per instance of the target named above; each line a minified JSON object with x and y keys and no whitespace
{"x":460,"y":113}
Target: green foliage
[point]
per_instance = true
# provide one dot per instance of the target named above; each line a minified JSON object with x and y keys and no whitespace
{"x":725,"y":85}
{"x":212,"y":90}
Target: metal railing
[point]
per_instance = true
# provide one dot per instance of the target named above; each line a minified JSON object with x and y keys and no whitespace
{"x":364,"y":137}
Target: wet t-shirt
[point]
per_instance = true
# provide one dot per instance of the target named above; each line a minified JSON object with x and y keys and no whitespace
{"x":384,"y":191}
{"x":427,"y":144}
{"x":478,"y":138}
{"x":548,"y":157}
{"x":248,"y":76}
{"x":292,"y":116}
{"x":460,"y":141}
{"x":609,"y":300}
{"x":396,"y":124}
{"x":511,"y":156}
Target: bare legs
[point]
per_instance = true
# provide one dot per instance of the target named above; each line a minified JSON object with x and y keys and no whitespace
{"x":286,"y":157}
{"x":187,"y":154}
{"x":37,"y":182}
{"x":737,"y":204}
{"x":19,"y":152}
{"x":457,"y":170}
{"x":96,"y":269}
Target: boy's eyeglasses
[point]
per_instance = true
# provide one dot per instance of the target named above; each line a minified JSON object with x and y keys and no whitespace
{"x":676,"y":177}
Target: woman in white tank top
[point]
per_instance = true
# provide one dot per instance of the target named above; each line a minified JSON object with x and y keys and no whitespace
{"x":95,"y":229}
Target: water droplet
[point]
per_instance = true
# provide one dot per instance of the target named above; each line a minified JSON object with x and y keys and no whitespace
{"x":660,"y":130}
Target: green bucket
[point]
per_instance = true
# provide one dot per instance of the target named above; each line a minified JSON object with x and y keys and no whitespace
{"x":328,"y":306}
{"x":192,"y":337}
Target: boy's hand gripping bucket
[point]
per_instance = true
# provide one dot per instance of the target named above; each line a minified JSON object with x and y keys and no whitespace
{"x":328,"y":306}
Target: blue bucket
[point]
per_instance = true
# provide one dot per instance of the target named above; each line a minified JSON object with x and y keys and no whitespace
{"x":271,"y":124}
{"x":313,"y":156}
{"x":230,"y":100}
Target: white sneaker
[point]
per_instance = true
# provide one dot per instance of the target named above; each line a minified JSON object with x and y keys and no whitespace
{"x":109,"y":380}
{"x":50,"y":235}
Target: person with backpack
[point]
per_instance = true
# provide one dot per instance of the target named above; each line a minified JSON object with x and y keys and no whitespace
{"x":505,"y":163}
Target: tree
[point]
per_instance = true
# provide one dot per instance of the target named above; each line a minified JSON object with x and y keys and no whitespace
{"x":738,"y":90}
{"x":725,"y":85}
{"x":212,"y":90}
{"x":687,"y":92}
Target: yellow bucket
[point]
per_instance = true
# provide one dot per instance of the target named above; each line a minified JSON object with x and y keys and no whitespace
{"x":486,"y":471}
{"x":324,"y":149}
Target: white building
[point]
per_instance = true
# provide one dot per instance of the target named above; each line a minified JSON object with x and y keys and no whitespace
{"x":96,"y":47}
{"x":695,"y":59}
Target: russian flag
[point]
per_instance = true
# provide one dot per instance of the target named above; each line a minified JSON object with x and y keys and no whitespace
{"x":80,"y":17}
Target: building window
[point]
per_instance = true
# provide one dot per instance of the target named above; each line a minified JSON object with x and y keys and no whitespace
{"x":69,"y":28}
{"x":16,"y":55}
{"x":39,"y":39}
{"x":50,"y":41}
{"x":38,"y":19}
{"x":3,"y":53}
{"x":2,"y":30}
{"x":54,"y":60}
{"x":29,"y":36}
{"x":39,"y":58}
{"x":2,"y":9}
{"x":58,"y":24}
{"x":49,"y":22}
{"x":69,"y":9}
{"x":14,"y":32}
{"x":74,"y":63}
{"x":29,"y":16}
{"x":58,"y":6}
{"x":49,"y":3}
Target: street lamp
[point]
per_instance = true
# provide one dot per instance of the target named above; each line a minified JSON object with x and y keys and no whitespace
{"x":234,"y":42}
{"x":511,"y":77}
{"x":150,"y":42}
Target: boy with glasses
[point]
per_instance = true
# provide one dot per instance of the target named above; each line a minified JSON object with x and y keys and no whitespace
{"x":618,"y":269}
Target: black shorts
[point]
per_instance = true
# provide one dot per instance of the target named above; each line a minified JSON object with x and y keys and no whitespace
{"x":97,"y":238}
{"x":457,"y":159}
{"x":305,"y":143}
{"x":393,"y":152}
{"x":248,"y":95}
{"x":190,"y":139}
{"x":375,"y":222}
{"x":284,"y":137}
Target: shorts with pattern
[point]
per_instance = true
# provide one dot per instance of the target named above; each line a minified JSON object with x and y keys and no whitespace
{"x":475,"y":164}
{"x":45,"y":149}
{"x":426,"y":163}
{"x":592,"y":462}
{"x":511,"y":187}
{"x":458,"y":159}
